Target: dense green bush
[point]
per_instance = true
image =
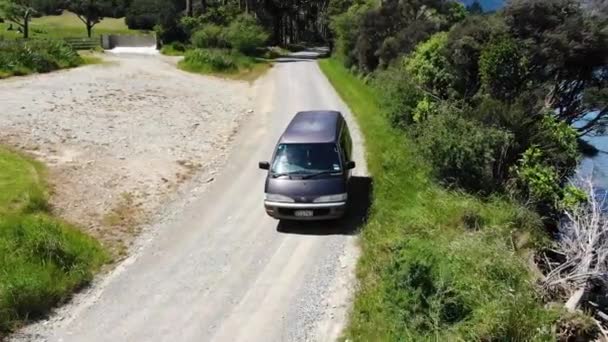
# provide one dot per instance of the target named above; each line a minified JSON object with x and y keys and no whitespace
{"x":24,"y":57}
{"x":429,"y":66}
{"x":345,"y":27}
{"x":395,"y":28}
{"x":503,"y":69}
{"x":214,"y":60}
{"x":142,"y":15}
{"x":398,"y":94}
{"x":464,"y":153}
{"x":244,"y":34}
{"x":209,"y":36}
{"x":145,"y":14}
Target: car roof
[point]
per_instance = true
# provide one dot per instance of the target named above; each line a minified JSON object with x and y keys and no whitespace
{"x":313,"y":127}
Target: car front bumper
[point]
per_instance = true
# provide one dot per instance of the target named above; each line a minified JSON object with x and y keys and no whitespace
{"x":321,"y":211}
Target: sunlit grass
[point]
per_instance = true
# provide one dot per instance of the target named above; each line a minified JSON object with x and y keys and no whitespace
{"x":42,"y":259}
{"x":436,"y":264}
{"x":66,"y":25}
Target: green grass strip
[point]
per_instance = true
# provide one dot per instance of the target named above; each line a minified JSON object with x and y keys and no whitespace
{"x":436,"y":265}
{"x":42,"y":259}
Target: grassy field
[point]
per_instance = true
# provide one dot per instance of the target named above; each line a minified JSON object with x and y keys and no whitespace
{"x":42,"y":259}
{"x":66,"y":25}
{"x":436,"y":264}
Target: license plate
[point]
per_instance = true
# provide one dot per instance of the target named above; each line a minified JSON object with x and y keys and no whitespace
{"x":303,"y":213}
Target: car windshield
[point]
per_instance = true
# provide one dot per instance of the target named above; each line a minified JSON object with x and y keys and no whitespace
{"x":306,"y":159}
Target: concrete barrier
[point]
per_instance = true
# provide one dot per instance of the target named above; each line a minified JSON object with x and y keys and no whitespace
{"x":111,"y":41}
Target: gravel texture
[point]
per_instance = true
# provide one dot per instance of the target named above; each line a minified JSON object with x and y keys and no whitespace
{"x":121,"y":137}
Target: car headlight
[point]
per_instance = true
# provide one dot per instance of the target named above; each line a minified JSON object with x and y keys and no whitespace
{"x":331,"y":198}
{"x":278,"y":198}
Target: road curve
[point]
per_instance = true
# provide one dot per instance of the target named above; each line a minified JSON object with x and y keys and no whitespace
{"x":223,"y":270}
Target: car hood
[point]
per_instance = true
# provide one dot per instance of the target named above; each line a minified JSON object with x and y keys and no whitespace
{"x":305,"y":190}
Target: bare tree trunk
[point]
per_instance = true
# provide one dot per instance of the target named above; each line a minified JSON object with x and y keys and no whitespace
{"x":89,"y":28}
{"x":189,"y":8}
{"x":203,"y":6}
{"x":26,"y":25}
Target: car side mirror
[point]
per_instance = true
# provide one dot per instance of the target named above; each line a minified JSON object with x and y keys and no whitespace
{"x":264,"y":165}
{"x":350,"y":165}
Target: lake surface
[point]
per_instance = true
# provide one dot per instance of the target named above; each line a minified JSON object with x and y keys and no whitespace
{"x":597,"y":167}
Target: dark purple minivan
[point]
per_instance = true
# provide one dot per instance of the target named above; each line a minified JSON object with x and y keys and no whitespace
{"x":310,"y":170}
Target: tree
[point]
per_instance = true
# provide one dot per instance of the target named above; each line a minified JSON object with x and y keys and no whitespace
{"x":20,"y":12}
{"x":475,"y":8}
{"x":429,"y":66}
{"x":90,"y":12}
{"x":567,"y":55}
{"x":503,"y":69}
{"x":466,"y":40}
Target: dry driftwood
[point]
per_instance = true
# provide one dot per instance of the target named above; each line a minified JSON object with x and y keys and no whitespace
{"x":583,"y":241}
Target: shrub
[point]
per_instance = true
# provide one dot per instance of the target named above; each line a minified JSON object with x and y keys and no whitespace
{"x":145,"y":14}
{"x":398,"y":94}
{"x":212,"y":60}
{"x":209,"y":36}
{"x":503,"y":69}
{"x":245,"y":34}
{"x":536,"y":180}
{"x":465,"y":153}
{"x":429,"y":66}
{"x":24,"y":57}
{"x":345,"y":27}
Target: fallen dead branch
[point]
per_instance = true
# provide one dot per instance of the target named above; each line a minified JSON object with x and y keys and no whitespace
{"x":583,"y":243}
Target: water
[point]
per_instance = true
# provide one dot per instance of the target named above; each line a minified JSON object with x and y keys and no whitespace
{"x":146,"y":50}
{"x":596,"y":167}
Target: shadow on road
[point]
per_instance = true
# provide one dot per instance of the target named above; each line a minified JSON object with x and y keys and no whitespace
{"x":360,"y":194}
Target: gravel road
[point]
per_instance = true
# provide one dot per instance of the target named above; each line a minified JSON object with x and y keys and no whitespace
{"x":215,"y":267}
{"x":121,"y":138}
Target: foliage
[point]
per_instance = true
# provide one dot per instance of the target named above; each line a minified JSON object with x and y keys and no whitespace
{"x":537,"y":181}
{"x":173,"y":49}
{"x":429,"y":66}
{"x":191,"y":24}
{"x":212,"y":60}
{"x":396,"y":27}
{"x":145,"y":14}
{"x":221,"y":15}
{"x":475,"y":8}
{"x":18,"y":11}
{"x":25,"y":57}
{"x":463,"y":48}
{"x":42,"y":260}
{"x":209,"y":36}
{"x":398,"y":94}
{"x":66,"y":25}
{"x":424,"y":273}
{"x":503,"y":69}
{"x":566,"y":51}
{"x":48,"y":7}
{"x":90,"y":12}
{"x":223,"y":62}
{"x":345,"y":28}
{"x":464,"y":153}
{"x":245,"y":35}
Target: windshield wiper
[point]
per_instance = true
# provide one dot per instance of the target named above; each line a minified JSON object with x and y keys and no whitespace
{"x":277,"y":175}
{"x":320,"y":174}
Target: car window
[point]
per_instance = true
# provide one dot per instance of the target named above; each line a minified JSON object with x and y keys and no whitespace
{"x":306,"y":158}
